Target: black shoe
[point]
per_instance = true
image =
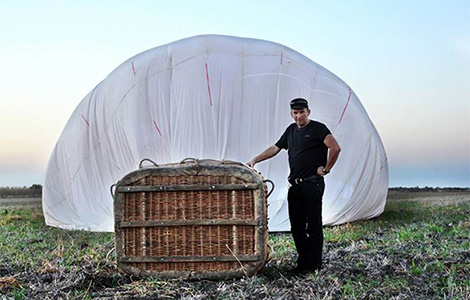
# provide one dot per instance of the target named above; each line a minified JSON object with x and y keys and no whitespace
{"x":299,"y":269}
{"x":314,"y":268}
{"x":303,"y":269}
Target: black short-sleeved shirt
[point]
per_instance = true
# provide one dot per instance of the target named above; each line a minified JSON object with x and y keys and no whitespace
{"x":306,"y":148}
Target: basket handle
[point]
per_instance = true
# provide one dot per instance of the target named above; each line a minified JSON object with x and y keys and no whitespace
{"x":149,"y":160}
{"x":189,"y":159}
{"x":272,"y":188}
{"x":112,"y":190}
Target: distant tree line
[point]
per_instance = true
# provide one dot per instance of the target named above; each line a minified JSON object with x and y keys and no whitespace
{"x":21,"y":192}
{"x":429,"y":189}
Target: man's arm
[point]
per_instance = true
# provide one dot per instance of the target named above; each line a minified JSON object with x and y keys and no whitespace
{"x":268,"y":153}
{"x":334,"y":150}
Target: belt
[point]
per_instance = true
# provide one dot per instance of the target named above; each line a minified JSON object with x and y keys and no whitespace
{"x":295,"y":181}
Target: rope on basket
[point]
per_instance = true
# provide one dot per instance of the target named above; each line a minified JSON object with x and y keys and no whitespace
{"x":241,"y":265}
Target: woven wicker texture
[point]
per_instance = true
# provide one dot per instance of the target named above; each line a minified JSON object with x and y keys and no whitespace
{"x":191,"y":232}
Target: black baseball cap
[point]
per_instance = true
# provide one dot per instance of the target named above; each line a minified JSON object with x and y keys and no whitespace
{"x":298,"y":103}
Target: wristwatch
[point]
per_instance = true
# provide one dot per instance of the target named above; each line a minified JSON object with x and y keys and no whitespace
{"x":325,"y":171}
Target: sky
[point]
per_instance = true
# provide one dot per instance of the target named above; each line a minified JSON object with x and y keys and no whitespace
{"x":407,"y":61}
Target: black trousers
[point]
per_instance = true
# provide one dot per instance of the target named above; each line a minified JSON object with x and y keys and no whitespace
{"x":305,"y":214}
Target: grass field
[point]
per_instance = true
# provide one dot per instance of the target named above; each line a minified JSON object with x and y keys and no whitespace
{"x":414,"y":250}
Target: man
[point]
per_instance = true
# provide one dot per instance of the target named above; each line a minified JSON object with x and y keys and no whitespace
{"x":312,"y":152}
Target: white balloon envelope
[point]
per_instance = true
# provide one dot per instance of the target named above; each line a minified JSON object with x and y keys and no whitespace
{"x":218,"y":97}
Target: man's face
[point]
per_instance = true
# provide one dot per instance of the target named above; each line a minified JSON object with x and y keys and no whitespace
{"x":300,"y":116}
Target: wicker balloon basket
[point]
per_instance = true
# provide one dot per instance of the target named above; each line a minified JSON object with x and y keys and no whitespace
{"x":200,"y":219}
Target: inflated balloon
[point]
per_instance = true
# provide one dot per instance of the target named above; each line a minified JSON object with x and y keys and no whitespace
{"x":217,"y":97}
